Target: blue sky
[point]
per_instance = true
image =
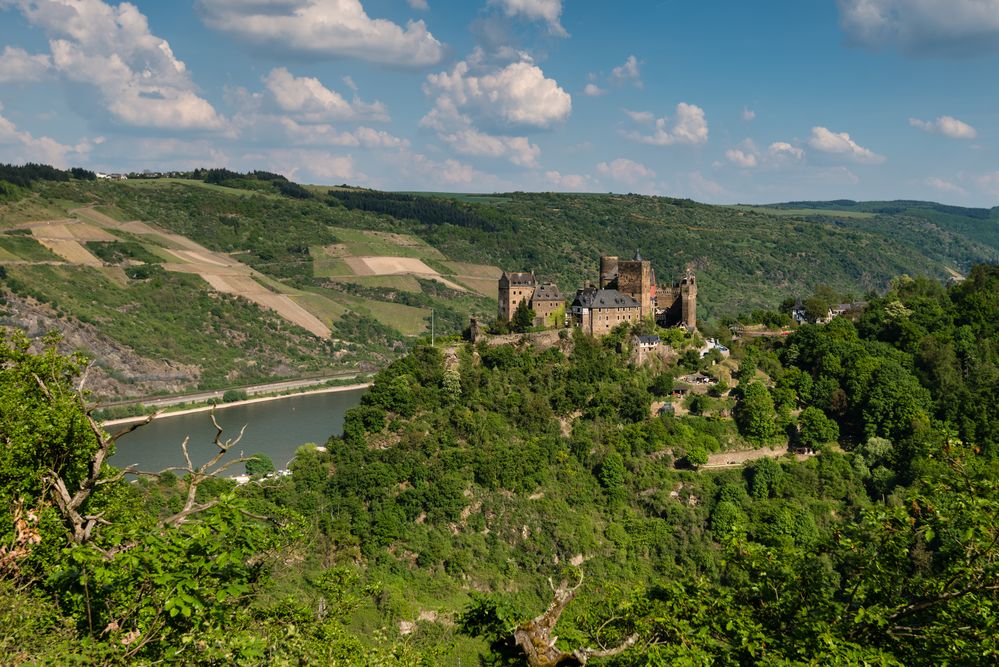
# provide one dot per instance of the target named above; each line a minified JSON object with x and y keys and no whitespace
{"x":721,"y":101}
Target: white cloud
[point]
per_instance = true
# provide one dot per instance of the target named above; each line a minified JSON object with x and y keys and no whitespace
{"x":781,"y":151}
{"x":304,"y":165}
{"x":324,"y":29}
{"x":626,"y":171}
{"x":593,"y":90}
{"x":310,"y":100}
{"x":19,"y":146}
{"x":644,"y":117}
{"x":17,"y":65}
{"x":840,"y":143}
{"x":569,"y":182}
{"x":629,"y":72}
{"x":327,"y":135}
{"x":458,"y":131}
{"x":748,"y":114}
{"x":518,"y":94}
{"x":549,"y":11}
{"x":704,"y":187}
{"x":945,"y":186}
{"x":947,"y":126}
{"x":420,"y":5}
{"x":930,"y":27}
{"x":990,"y":183}
{"x":139,"y":79}
{"x":738,"y":157}
{"x":689,"y":127}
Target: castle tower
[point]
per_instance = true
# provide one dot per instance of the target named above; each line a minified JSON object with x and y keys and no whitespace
{"x":688,"y":296}
{"x":608,"y":270}
{"x":514,"y":287}
{"x":635,"y":278}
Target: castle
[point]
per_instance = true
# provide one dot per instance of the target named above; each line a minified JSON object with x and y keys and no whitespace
{"x":627,"y":292}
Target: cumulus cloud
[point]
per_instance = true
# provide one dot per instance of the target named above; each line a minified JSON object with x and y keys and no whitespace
{"x":704,"y":187}
{"x":305,"y":165}
{"x":947,"y":126}
{"x":840,"y":143}
{"x":689,"y":127}
{"x":328,"y":135}
{"x":741,"y":158}
{"x":20,"y":146}
{"x":945,"y":186}
{"x":420,"y":5}
{"x":748,"y":114}
{"x":569,"y":182}
{"x":475,"y":104}
{"x":323,"y":29}
{"x":17,"y":65}
{"x":139,"y":79}
{"x":518,"y":94}
{"x":593,"y":90}
{"x":629,"y":72}
{"x":923,"y":27}
{"x":549,"y":11}
{"x":644,"y":117}
{"x":310,"y":100}
{"x":458,"y":131}
{"x":626,"y":171}
{"x":989,"y":183}
{"x":781,"y":150}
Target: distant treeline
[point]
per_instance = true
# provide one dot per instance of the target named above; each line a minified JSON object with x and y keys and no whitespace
{"x":426,"y":210}
{"x":26,"y":174}
{"x":252,"y":180}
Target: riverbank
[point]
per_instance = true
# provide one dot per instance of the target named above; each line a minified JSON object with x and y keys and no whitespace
{"x":248,"y":401}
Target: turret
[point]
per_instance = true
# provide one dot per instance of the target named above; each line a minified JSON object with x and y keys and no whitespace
{"x":688,"y":296}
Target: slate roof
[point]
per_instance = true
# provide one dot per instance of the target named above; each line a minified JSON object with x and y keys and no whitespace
{"x":603,"y":298}
{"x":519,"y":277}
{"x":547,"y":292}
{"x":649,"y":340}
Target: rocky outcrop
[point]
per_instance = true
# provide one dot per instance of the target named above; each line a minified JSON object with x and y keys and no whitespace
{"x":118,"y":372}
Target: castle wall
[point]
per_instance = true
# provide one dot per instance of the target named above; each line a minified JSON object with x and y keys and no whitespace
{"x":510,"y":298}
{"x":600,"y":321}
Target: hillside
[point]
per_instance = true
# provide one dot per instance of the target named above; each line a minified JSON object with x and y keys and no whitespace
{"x":478,"y":485}
{"x":239,"y":278}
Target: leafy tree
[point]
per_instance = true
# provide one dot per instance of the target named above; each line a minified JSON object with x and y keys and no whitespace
{"x":815,"y":428}
{"x":755,"y":413}
{"x":523,"y":318}
{"x":259,"y":465}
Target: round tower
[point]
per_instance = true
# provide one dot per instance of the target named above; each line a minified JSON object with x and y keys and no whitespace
{"x":608,"y":270}
{"x":688,"y":296}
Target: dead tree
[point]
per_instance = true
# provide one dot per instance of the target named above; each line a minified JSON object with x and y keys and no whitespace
{"x":536,"y":640}
{"x":72,"y":504}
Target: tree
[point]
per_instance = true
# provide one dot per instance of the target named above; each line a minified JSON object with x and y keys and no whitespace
{"x":523,"y":318}
{"x":814,"y":428}
{"x":755,"y":413}
{"x":259,"y":465}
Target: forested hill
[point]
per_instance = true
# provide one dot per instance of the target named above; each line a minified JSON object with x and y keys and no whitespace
{"x":831,"y":500}
{"x":213,"y":278}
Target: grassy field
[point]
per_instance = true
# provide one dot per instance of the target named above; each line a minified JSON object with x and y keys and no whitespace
{"x":33,"y":208}
{"x":27,"y":249}
{"x":408,"y":320}
{"x":384,"y":244}
{"x":326,"y":309}
{"x":402,"y":283}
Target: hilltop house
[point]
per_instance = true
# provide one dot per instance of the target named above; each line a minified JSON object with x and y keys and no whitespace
{"x":544,"y":299}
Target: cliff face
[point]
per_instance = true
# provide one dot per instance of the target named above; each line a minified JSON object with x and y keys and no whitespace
{"x":118,"y":373}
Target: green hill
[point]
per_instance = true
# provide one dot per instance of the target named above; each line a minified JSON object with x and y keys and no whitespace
{"x":320,"y":280}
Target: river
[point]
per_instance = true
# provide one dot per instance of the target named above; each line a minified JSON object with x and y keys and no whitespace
{"x":275,"y":428}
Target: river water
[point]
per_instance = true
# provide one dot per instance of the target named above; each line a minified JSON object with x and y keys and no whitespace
{"x":275,"y":428}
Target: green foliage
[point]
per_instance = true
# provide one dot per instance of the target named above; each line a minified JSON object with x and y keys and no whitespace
{"x":523,"y":318}
{"x":259,"y":465}
{"x":756,"y":415}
